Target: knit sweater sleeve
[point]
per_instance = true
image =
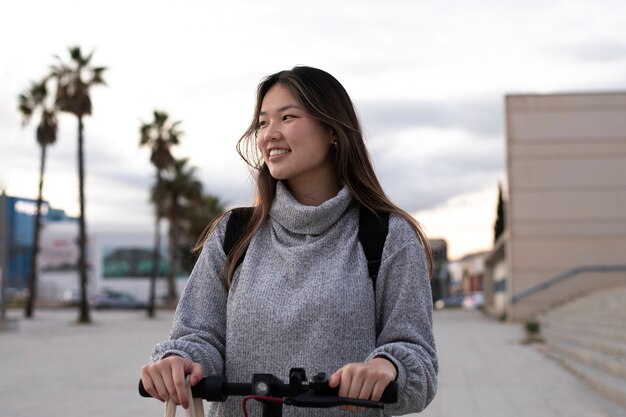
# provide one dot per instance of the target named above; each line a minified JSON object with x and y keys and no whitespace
{"x":198,"y":331}
{"x":404,"y":318}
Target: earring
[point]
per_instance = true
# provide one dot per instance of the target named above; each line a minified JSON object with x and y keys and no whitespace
{"x":334,"y":144}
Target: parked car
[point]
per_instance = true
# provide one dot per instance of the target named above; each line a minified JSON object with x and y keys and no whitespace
{"x":15,"y":297}
{"x":466,"y":301}
{"x":451,"y":301}
{"x":473,"y":300}
{"x":109,"y":299}
{"x":71,"y":297}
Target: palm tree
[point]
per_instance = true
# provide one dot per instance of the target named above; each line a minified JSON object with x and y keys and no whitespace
{"x":200,"y":214}
{"x":197,"y":217}
{"x":178,"y":190}
{"x":74,"y":82}
{"x":31,"y":102}
{"x":160,"y":136}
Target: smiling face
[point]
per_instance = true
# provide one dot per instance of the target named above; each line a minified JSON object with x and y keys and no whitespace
{"x":295,"y":146}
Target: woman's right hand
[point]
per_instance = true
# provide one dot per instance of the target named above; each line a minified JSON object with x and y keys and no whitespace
{"x":165,"y":379}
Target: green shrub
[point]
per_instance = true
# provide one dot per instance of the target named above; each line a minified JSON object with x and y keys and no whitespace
{"x":532,"y":327}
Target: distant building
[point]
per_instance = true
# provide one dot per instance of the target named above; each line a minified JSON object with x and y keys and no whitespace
{"x":469,"y":271}
{"x":17,"y":223}
{"x":118,"y":259}
{"x":566,"y":210}
{"x":440,"y":283}
{"x":495,"y":290}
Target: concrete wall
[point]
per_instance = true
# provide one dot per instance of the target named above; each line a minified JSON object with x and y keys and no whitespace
{"x":496,"y":279}
{"x":566,"y":157}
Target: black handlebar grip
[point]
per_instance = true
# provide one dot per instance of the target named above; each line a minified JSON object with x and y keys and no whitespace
{"x":142,"y":390}
{"x":210,"y":388}
{"x":390,"y":395}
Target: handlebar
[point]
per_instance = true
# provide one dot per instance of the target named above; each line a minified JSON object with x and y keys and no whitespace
{"x":298,"y":392}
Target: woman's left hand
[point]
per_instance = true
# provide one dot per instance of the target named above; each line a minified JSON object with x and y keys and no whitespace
{"x":366,"y":380}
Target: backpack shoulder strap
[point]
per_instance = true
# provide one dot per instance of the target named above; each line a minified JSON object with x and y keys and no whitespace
{"x":373,"y":229}
{"x":237,"y":222}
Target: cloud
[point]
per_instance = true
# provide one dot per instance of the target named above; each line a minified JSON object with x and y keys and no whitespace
{"x":428,"y":81}
{"x":425,"y":152}
{"x":423,"y":167}
{"x":481,"y":116}
{"x":603,"y":51}
{"x":466,"y":221}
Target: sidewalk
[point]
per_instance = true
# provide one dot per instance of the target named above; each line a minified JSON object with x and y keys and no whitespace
{"x":484,"y":371}
{"x":55,"y":368}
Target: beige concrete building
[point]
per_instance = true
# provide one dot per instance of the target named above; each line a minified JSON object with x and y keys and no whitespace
{"x":468,"y":272}
{"x":566,"y":210}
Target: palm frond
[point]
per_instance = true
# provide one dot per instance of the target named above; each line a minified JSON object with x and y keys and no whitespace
{"x":75,"y":54}
{"x":25,"y":106}
{"x":38,"y":92}
{"x":47,"y":129}
{"x":157,"y":135}
{"x":97,"y":78}
{"x":87,"y":59}
{"x":72,"y":93}
{"x":160,"y":117}
{"x":144,"y":134}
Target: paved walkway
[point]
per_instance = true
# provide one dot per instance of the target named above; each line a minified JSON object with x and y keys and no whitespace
{"x":485,"y":371}
{"x":54,"y":368}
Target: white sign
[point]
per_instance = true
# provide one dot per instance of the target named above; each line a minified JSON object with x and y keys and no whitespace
{"x":30,"y":208}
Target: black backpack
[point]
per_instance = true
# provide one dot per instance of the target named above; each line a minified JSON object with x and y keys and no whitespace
{"x":373,"y":230}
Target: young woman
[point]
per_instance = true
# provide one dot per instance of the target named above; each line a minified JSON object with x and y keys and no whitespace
{"x":295,"y":289}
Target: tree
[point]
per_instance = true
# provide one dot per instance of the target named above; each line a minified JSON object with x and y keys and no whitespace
{"x":499,"y":226}
{"x":178,"y":190}
{"x":200,"y":214}
{"x":30,"y":103}
{"x":197,"y":217}
{"x":74,"y":82}
{"x":159,"y":136}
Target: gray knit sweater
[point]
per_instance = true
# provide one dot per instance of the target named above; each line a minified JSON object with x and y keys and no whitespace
{"x":303,"y":298}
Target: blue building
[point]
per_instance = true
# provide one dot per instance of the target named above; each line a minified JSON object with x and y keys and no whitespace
{"x":17,"y":223}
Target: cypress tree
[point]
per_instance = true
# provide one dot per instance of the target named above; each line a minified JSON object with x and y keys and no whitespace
{"x":498,"y":227}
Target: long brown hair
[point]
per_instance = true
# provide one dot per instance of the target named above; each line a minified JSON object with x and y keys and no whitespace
{"x":326,"y":100}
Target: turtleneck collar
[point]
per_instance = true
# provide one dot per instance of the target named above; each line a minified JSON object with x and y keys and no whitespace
{"x":308,"y":220}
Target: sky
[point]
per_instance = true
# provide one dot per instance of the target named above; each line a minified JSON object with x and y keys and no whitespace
{"x":428,"y":79}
